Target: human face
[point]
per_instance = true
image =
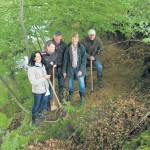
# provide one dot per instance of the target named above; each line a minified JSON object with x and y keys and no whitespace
{"x":51,"y":48}
{"x":92,"y":37}
{"x":57,"y":39}
{"x":37,"y":58}
{"x":74,"y":41}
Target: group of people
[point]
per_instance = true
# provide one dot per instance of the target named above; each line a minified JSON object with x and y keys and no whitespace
{"x":69,"y":62}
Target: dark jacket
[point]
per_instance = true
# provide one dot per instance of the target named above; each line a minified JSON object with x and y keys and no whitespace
{"x":47,"y":58}
{"x":81,"y":64}
{"x":60,"y":51}
{"x":93,"y":48}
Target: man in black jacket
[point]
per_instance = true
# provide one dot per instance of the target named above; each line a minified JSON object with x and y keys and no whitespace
{"x":60,"y":49}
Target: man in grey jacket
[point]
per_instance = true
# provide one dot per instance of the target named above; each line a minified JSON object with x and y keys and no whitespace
{"x":94,"y":46}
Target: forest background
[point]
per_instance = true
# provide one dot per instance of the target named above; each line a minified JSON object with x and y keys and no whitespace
{"x":26,"y":25}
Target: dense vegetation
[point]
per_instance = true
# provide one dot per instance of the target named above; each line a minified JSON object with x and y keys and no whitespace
{"x":26,"y":25}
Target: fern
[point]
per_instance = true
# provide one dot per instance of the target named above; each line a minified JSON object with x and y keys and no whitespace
{"x":140,"y":143}
{"x":72,"y":108}
{"x":69,"y":108}
{"x":143,"y":148}
{"x":6,"y":142}
{"x":4,"y":121}
{"x":10,"y":143}
{"x":146,"y":40}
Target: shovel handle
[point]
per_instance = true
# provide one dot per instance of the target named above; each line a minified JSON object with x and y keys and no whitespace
{"x":54,"y":93}
{"x":54,"y":77}
{"x":91,"y":66}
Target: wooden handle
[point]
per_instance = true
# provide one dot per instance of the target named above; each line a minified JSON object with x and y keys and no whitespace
{"x":91,"y":75}
{"x":53,"y":104}
{"x":55,"y":93}
{"x":54,"y":77}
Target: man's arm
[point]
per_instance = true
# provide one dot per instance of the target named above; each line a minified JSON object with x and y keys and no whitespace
{"x":83,"y":60}
{"x":65,"y":61}
{"x":99,"y":50}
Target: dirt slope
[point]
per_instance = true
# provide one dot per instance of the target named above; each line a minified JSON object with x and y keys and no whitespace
{"x":121,"y":103}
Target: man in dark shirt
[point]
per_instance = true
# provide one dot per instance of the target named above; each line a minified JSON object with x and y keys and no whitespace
{"x":60,"y":49}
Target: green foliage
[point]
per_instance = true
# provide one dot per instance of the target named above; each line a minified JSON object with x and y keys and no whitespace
{"x":146,"y":40}
{"x":43,"y":17}
{"x":68,"y":107}
{"x":69,"y":16}
{"x":6,"y":146}
{"x":23,"y":85}
{"x":132,"y":145}
{"x":13,"y":141}
{"x":3,"y":95}
{"x":143,"y":148}
{"x":62,"y":129}
{"x":72,"y":108}
{"x":8,"y":143}
{"x":140,"y":143}
{"x":20,"y":137}
{"x":145,"y":138}
{"x":4,"y":121}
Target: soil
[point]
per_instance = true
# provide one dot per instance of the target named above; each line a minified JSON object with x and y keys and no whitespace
{"x":122,"y":106}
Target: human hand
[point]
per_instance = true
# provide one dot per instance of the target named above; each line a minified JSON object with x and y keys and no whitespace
{"x":47,"y":76}
{"x":55,"y":66}
{"x":51,"y":63}
{"x":79,"y":73}
{"x":92,"y":58}
{"x":64,"y":74}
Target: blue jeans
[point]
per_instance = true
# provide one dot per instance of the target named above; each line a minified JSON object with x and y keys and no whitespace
{"x":98,"y":66}
{"x":79,"y":79}
{"x":47,"y":99}
{"x":38,"y":101}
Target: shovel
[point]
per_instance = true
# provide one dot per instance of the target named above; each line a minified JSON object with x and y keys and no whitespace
{"x":62,"y":112}
{"x":56,"y":97}
{"x":56,"y":100}
{"x":91,"y":75}
{"x":53,"y":104}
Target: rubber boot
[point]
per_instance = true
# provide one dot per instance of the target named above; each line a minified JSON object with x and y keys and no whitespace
{"x":99,"y":80}
{"x":70,"y":96}
{"x":85,"y":81}
{"x":36,"y":124}
{"x":82,"y":98}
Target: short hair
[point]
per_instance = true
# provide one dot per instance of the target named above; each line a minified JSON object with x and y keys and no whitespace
{"x":75,"y":34}
{"x":58,"y":33}
{"x":48,"y":43}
